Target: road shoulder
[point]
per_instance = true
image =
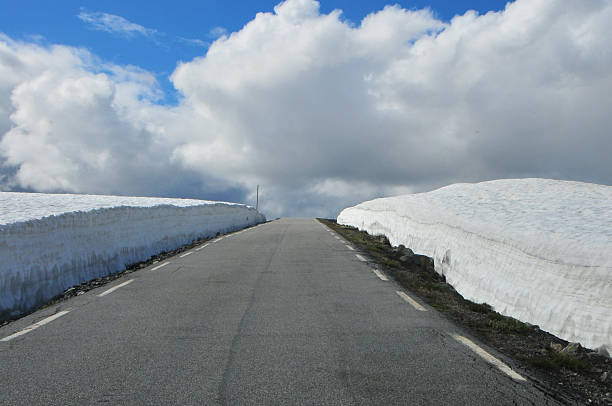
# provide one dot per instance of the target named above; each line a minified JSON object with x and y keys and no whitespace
{"x":564,"y":370}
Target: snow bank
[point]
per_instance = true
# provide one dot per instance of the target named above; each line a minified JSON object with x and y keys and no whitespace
{"x":51,"y":242}
{"x":535,"y":249}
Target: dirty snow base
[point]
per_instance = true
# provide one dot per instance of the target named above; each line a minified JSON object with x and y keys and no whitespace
{"x":535,"y":249}
{"x":51,"y":242}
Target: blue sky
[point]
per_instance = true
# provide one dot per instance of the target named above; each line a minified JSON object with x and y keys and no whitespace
{"x":180,"y":30}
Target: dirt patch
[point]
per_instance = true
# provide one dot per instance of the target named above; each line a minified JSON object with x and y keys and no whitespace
{"x":567,"y":371}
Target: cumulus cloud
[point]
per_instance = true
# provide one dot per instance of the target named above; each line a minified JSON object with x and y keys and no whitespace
{"x":321,"y":112}
{"x":114,"y":24}
{"x":78,"y":125}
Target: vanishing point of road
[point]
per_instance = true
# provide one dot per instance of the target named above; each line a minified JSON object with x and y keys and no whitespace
{"x":285,"y":313}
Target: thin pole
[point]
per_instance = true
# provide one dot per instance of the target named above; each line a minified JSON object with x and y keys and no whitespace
{"x":257,"y":203}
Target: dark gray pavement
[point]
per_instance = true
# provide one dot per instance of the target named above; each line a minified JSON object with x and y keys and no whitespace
{"x":280,"y":314}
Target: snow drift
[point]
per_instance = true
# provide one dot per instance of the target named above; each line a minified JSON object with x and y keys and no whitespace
{"x":51,"y":242}
{"x":535,"y":249}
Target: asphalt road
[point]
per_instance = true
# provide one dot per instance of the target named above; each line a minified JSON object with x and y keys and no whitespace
{"x":283,"y":313}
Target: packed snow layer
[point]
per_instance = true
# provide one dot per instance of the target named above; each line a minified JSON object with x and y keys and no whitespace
{"x":538,"y":250}
{"x":50,"y":242}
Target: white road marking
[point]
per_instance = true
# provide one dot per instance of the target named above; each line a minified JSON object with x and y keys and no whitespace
{"x":380,"y":275}
{"x":349,"y":247}
{"x":359,"y":257}
{"x":185,"y":254}
{"x":488,"y":357}
{"x":202,"y":247}
{"x":34,"y":326}
{"x":114,"y":288}
{"x":218,"y":239}
{"x":160,"y":266}
{"x":411,"y":301}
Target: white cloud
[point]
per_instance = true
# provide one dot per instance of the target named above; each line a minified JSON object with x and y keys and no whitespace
{"x":194,"y":41}
{"x":217,"y":32}
{"x":321,"y":113}
{"x":118,"y":25}
{"x":113,"y":24}
{"x":79,"y":129}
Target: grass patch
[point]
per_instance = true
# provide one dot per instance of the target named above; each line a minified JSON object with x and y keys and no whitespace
{"x":435,"y":286}
{"x":478,"y":307}
{"x":558,"y":361}
{"x":506,"y":324}
{"x":390,"y":262}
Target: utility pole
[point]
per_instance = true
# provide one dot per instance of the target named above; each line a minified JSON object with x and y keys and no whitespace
{"x":257,"y":201}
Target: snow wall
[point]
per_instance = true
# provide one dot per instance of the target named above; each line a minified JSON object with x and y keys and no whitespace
{"x":537,"y":250}
{"x":51,"y":242}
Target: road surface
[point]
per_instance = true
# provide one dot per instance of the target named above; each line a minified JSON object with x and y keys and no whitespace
{"x":283,"y":313}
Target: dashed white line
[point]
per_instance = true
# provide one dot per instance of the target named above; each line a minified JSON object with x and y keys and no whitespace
{"x":218,"y":239}
{"x":349,"y":247}
{"x":186,"y":254}
{"x":160,"y":266}
{"x":202,"y":247}
{"x":488,"y":357}
{"x":359,"y":257}
{"x":411,"y":301}
{"x":34,"y":326}
{"x":114,"y":288}
{"x":380,"y":275}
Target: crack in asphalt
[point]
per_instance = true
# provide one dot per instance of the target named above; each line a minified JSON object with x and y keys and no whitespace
{"x":223,"y":386}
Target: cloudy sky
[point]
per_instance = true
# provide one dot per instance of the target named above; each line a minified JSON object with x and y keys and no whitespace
{"x":322,"y":104}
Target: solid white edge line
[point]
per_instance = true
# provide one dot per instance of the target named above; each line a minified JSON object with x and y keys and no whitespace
{"x":160,"y":266}
{"x":349,"y":247}
{"x":359,"y":257}
{"x":218,"y":239}
{"x":380,"y":275}
{"x":411,"y":301}
{"x":34,"y":326}
{"x":114,"y":288}
{"x":185,"y":254}
{"x":488,"y":357}
{"x":202,"y":247}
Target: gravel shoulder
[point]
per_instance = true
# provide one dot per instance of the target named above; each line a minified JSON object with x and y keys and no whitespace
{"x":567,"y":371}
